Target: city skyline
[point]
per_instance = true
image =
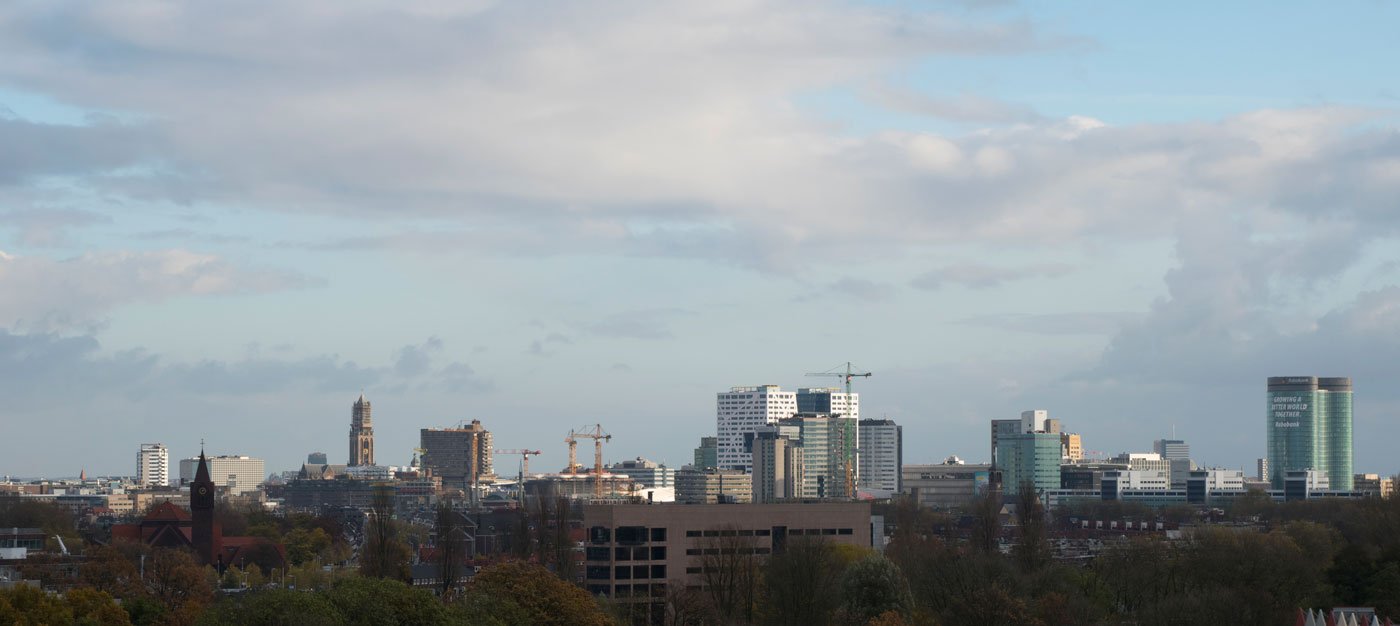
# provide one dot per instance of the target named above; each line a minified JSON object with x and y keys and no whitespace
{"x":540,"y":215}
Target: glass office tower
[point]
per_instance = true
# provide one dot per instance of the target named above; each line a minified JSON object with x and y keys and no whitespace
{"x":1308,"y":420}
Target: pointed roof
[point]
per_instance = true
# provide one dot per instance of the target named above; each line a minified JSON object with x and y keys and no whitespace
{"x":167,"y":511}
{"x":201,"y":475}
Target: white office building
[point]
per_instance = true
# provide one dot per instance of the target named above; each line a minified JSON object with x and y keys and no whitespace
{"x":231,"y":474}
{"x":649,"y":474}
{"x":153,"y":465}
{"x":741,"y":410}
{"x":880,"y":456}
{"x":1034,"y":421}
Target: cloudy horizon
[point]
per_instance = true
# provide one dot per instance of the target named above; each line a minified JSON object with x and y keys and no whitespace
{"x":225,"y":221}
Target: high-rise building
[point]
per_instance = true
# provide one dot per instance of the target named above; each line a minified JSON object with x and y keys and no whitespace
{"x":460,"y":456}
{"x":707,"y":455}
{"x":1262,"y":465}
{"x":777,"y":464}
{"x":153,"y":465}
{"x":741,"y":410}
{"x":830,"y":461}
{"x":1309,"y":426}
{"x":317,"y":458}
{"x":1001,"y":428}
{"x":1029,"y":457}
{"x":1172,"y":449}
{"x":828,"y":400}
{"x":233,"y":474}
{"x":881,"y":455}
{"x":361,"y":434}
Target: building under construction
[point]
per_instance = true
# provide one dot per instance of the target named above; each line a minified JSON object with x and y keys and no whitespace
{"x":460,"y":456}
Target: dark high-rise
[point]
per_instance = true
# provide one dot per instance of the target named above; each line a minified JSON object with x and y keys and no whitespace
{"x":1308,"y":421}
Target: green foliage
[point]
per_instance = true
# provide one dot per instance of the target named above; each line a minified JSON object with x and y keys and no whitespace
{"x":874,"y":586}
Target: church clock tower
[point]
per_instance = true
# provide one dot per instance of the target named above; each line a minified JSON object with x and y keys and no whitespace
{"x":361,"y":434}
{"x":202,"y":512}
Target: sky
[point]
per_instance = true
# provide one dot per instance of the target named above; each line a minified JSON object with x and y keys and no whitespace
{"x":223,"y":221}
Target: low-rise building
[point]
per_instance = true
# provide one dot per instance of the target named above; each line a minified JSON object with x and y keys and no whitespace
{"x":1380,"y":486}
{"x":647,"y":474}
{"x":711,"y":486}
{"x":635,"y":552}
{"x":949,"y":484}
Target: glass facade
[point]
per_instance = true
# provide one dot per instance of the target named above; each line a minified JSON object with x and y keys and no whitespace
{"x":1033,"y":457}
{"x":1309,"y":422}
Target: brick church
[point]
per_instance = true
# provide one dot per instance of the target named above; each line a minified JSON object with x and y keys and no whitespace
{"x":169,"y":526}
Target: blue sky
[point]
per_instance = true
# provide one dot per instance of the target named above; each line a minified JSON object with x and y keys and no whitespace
{"x":224,"y":221}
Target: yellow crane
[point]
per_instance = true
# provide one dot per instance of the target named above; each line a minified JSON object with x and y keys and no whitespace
{"x":595,"y":433}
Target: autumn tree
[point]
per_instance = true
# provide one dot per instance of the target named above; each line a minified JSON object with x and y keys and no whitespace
{"x":544,"y":598}
{"x":175,"y":580}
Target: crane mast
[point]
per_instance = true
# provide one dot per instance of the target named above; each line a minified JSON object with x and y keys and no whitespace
{"x":851,"y":372}
{"x":598,"y":436}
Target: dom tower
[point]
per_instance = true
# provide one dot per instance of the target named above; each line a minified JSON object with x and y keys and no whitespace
{"x":361,"y":434}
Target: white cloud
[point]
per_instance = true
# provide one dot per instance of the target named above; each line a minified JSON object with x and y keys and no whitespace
{"x":43,"y":293}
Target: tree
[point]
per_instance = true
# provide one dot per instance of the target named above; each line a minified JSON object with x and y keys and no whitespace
{"x":872,"y":587}
{"x":729,"y":575}
{"x":451,"y":546}
{"x":383,"y":554}
{"x":109,"y":571}
{"x":27,"y":606}
{"x":304,"y":544}
{"x":175,"y":580}
{"x":1032,"y":549}
{"x":986,"y":523}
{"x":801,"y":584}
{"x":273,"y":607}
{"x":371,"y":602}
{"x":547,"y":600}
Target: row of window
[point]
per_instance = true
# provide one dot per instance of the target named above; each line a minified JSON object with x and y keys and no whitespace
{"x":643,"y":553}
{"x":642,"y":590}
{"x":625,"y":572}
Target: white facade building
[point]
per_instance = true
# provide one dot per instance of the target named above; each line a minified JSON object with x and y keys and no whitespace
{"x":1221,"y":479}
{"x":153,"y":465}
{"x":742,"y":409}
{"x":649,"y":474}
{"x":880,"y":456}
{"x":1034,"y":421}
{"x":232,"y":474}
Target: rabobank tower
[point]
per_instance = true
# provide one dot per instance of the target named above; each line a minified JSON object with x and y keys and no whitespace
{"x":1309,"y":426}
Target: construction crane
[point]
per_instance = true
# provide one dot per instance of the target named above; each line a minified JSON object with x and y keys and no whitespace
{"x":598,"y":436}
{"x":418,"y":455}
{"x":851,"y":371}
{"x":524,"y":459}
